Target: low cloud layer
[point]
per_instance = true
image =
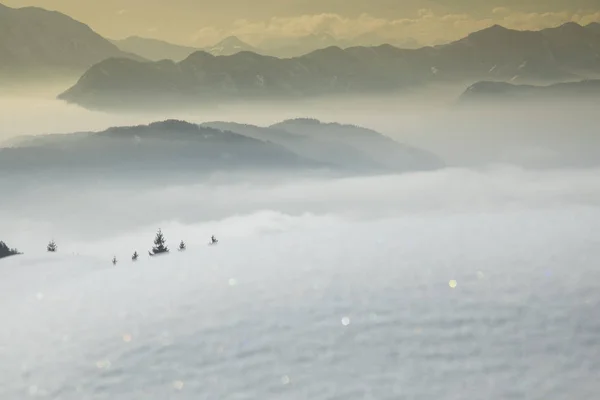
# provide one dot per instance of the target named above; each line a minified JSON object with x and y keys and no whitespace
{"x":91,"y":218}
{"x":427,"y":27}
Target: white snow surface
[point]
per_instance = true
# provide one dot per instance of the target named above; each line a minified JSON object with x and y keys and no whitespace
{"x":441,"y":301}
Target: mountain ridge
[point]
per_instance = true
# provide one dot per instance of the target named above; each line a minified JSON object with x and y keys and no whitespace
{"x":154,"y":49}
{"x":158,"y":50}
{"x":33,"y":39}
{"x":588,"y":89}
{"x":494,"y":53}
{"x":171,"y":146}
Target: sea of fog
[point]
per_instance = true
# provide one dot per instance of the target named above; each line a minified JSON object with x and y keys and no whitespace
{"x":455,"y":284}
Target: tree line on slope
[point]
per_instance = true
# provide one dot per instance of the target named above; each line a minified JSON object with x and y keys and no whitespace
{"x":160,"y":247}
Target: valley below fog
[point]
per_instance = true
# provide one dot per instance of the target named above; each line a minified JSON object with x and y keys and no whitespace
{"x":351,"y":273}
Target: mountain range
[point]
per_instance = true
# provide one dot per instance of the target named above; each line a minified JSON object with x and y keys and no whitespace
{"x":345,"y":146}
{"x":298,"y":46}
{"x":34,"y":40}
{"x":162,"y":148}
{"x":567,"y":52}
{"x":157,"y":50}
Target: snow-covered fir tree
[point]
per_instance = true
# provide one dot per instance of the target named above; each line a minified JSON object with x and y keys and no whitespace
{"x":52,"y":247}
{"x":159,"y":244}
{"x":6,"y":251}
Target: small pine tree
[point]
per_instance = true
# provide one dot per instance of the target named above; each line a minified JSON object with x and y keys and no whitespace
{"x":182,"y":246}
{"x":114,"y":260}
{"x":5,"y":251}
{"x":135,"y":256}
{"x":52,"y":248}
{"x":159,"y":244}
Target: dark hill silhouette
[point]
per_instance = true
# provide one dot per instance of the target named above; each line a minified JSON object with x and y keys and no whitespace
{"x":156,"y":150}
{"x":175,"y":149}
{"x":373,"y":145}
{"x":502,"y":91}
{"x":346,"y":146}
{"x":495,"y":53}
{"x":594,"y":27}
{"x":33,"y":39}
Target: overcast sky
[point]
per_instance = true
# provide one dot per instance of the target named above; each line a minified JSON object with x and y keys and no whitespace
{"x":202,"y":22}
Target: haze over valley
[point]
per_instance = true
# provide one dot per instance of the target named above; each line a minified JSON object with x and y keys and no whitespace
{"x":292,"y":200}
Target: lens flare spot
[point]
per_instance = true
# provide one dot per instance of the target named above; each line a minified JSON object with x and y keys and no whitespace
{"x":346,"y":321}
{"x":103,"y":364}
{"x":452,"y":284}
{"x":33,"y":390}
{"x":178,"y":385}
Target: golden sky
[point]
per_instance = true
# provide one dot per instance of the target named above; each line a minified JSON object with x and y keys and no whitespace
{"x":203,"y":22}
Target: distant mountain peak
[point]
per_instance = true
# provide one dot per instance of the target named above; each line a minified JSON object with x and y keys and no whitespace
{"x":571,"y":24}
{"x":199,"y":55}
{"x":593,"y":27}
{"x":328,"y":50}
{"x":232,"y":40}
{"x":490,"y":32}
{"x":571,"y":27}
{"x":494,"y":28}
{"x":230,"y":45}
{"x":174,"y":124}
{"x":168,"y":126}
{"x":304,"y":121}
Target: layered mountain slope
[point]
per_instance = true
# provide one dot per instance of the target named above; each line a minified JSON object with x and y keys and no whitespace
{"x":502,"y":91}
{"x":35,"y":39}
{"x":176,"y":149}
{"x":495,"y":53}
{"x":594,"y":27}
{"x":153,"y":49}
{"x":155,"y":150}
{"x":157,"y":50}
{"x":346,"y":146}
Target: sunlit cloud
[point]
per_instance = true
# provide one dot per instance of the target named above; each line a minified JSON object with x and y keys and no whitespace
{"x":426,"y":27}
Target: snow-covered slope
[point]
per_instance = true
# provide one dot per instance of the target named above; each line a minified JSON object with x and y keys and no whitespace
{"x":316,"y":310}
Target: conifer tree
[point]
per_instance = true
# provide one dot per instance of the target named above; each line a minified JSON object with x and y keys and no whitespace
{"x":182,"y":246}
{"x":135,"y":256}
{"x":52,"y":248}
{"x":114,"y":260}
{"x":159,"y":244}
{"x":6,"y":251}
